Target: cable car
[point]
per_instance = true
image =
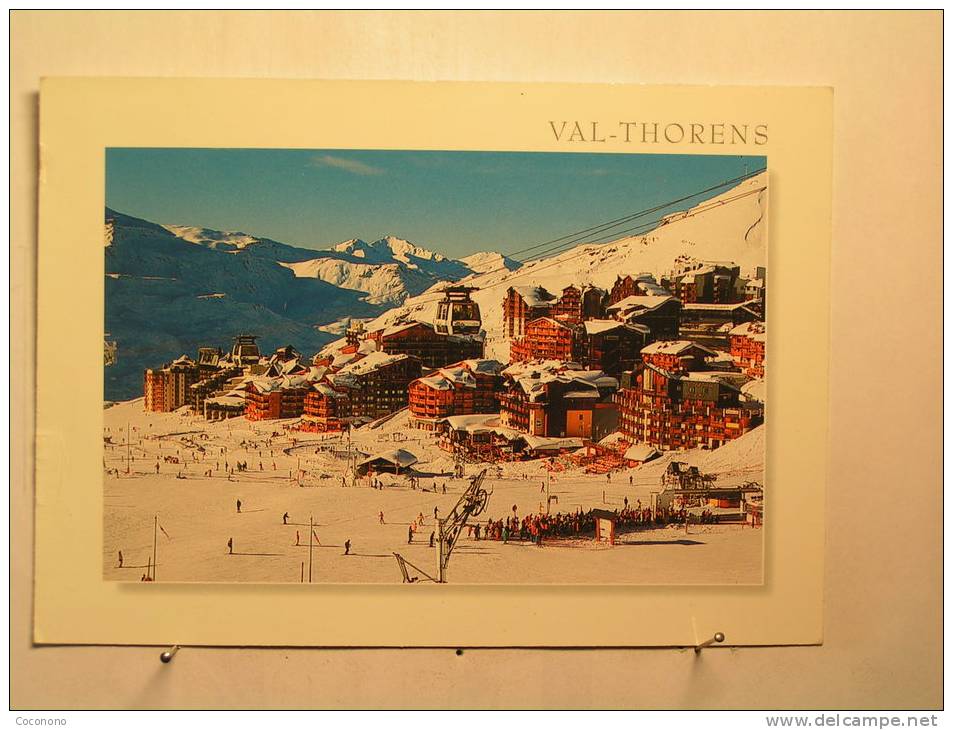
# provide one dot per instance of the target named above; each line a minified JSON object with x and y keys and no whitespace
{"x":457,"y":314}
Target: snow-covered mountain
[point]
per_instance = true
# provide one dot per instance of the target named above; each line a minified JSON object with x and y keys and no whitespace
{"x":172,"y":288}
{"x":388,"y":270}
{"x":728,"y":227}
{"x":487,"y":261}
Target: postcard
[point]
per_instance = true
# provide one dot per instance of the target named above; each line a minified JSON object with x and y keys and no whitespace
{"x":454,"y":366}
{"x":502,"y":346}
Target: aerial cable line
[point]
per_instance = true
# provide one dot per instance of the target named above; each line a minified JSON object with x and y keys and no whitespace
{"x":644,"y":227}
{"x":650,"y":225}
{"x":637,"y":214}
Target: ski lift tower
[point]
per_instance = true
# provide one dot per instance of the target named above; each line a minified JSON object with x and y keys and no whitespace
{"x":471,"y":504}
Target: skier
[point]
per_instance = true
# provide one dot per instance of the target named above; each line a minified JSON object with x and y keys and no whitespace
{"x":284,"y":518}
{"x":229,"y":546}
{"x":238,"y":506}
{"x":120,"y":558}
{"x":382,"y":517}
{"x":347,"y":547}
{"x":410,"y":535}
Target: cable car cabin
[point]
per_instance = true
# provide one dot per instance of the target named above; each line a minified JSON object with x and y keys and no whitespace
{"x":457,"y":314}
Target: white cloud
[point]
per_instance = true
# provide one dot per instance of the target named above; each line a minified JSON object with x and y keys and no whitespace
{"x":355,"y":167}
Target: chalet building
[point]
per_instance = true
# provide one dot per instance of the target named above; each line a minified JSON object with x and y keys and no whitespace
{"x":378,"y":383}
{"x":677,"y":356}
{"x":544,"y":339}
{"x":597,"y":344}
{"x":286,"y":354}
{"x":709,"y":324}
{"x":167,"y":389}
{"x":568,"y":307}
{"x":610,"y":346}
{"x":523,"y":304}
{"x":594,"y":302}
{"x":708,"y":283}
{"x":224,"y":406}
{"x":478,"y":437}
{"x":211,"y":385}
{"x":641,"y":285}
{"x":747,"y":343}
{"x":659,"y":312}
{"x":421,"y":341}
{"x":270,"y":398}
{"x":554,"y":399}
{"x":670,"y":411}
{"x":327,"y":408}
{"x":468,"y":387}
{"x":373,"y":386}
{"x":754,"y":290}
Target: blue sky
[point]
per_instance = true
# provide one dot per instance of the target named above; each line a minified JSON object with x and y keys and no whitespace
{"x":456,"y":203}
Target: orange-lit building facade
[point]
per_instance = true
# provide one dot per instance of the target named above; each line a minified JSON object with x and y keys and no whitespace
{"x":267,"y":400}
{"x":523,"y":304}
{"x":422,"y":341}
{"x":544,"y":339}
{"x":167,"y":389}
{"x":465,"y":388}
{"x":747,"y":347}
{"x":681,"y":411}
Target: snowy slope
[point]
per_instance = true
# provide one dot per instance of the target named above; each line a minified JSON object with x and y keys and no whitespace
{"x":728,"y":227}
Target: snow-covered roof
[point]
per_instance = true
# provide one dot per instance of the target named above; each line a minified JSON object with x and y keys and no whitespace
{"x":640,"y":452}
{"x":340,"y":359}
{"x":369,"y":363}
{"x":534,"y":296}
{"x":231,"y":400}
{"x":552,"y":321}
{"x":591,"y":393}
{"x":689,"y":276}
{"x":397,"y":328}
{"x":484,"y":367}
{"x":398,"y":457}
{"x":674,"y":347}
{"x":598,"y":326}
{"x":646,"y":302}
{"x":700,"y":307}
{"x":327,"y":391}
{"x":474,"y":423}
{"x":756,"y":390}
{"x":534,"y":381}
{"x":756,"y":331}
{"x":542,"y":443}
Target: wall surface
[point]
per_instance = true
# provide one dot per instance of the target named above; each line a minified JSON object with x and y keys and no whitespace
{"x":883,"y":613}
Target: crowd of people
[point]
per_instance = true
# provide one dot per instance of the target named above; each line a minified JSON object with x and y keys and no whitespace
{"x":539,"y":527}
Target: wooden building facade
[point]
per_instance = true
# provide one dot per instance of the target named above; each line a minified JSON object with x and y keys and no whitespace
{"x":670,"y":411}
